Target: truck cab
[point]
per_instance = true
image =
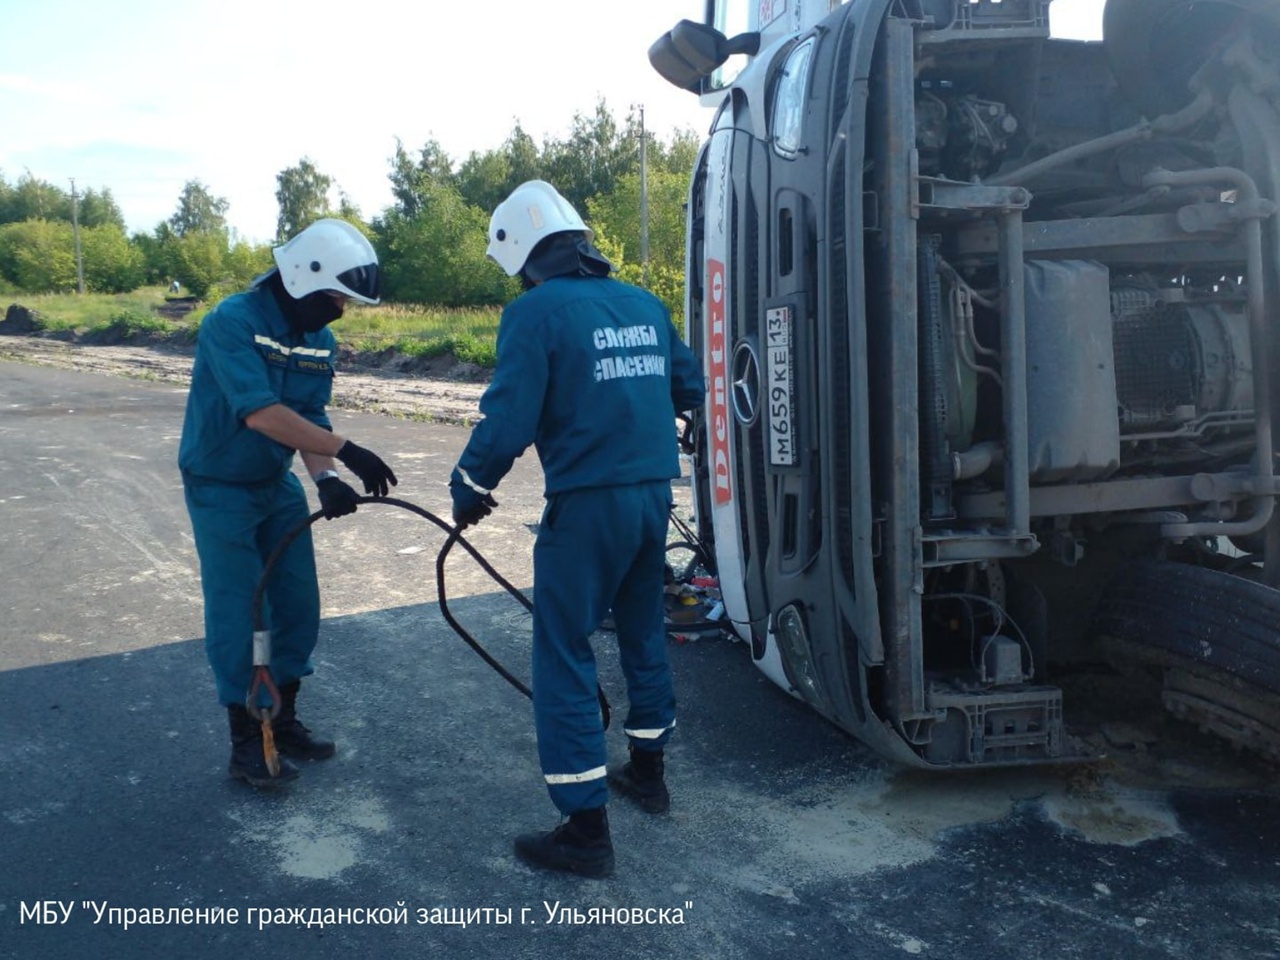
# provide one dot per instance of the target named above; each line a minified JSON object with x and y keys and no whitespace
{"x":989,"y":325}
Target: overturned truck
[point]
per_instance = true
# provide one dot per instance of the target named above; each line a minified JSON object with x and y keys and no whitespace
{"x":991,"y":323}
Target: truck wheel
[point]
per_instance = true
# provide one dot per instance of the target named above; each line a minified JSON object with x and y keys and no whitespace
{"x":1213,"y":639}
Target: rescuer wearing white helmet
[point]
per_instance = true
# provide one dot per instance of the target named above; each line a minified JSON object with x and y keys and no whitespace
{"x":592,"y":373}
{"x":534,"y":211}
{"x":260,"y":386}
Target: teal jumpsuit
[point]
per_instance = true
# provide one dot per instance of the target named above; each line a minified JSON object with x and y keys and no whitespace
{"x":592,"y":373}
{"x":241,"y":492}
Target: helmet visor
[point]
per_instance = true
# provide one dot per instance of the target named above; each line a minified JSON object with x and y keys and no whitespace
{"x":365,"y":281}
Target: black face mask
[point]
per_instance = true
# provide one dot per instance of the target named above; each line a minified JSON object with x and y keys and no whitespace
{"x":309,"y":314}
{"x":315,"y":311}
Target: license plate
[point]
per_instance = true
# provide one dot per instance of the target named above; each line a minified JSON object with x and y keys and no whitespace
{"x":780,"y":387}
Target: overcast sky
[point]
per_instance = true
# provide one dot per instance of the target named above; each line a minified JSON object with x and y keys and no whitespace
{"x":140,"y":96}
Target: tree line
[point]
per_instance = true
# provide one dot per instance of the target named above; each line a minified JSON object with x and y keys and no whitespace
{"x":431,"y":240}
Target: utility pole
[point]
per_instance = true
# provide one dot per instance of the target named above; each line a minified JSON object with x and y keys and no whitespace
{"x":75,"y":230}
{"x":644,"y":201}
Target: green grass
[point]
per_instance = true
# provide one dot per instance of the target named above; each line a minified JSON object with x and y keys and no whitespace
{"x":93,"y":311}
{"x":481,"y":351}
{"x":392,"y":320}
{"x":128,"y":321}
{"x":414,"y":330}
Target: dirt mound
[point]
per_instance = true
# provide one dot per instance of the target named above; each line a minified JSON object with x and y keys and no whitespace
{"x":444,"y":366}
{"x":117,"y":334}
{"x":175,"y":308}
{"x":20,"y":321}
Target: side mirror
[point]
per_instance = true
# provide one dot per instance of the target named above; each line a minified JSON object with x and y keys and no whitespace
{"x":690,"y":52}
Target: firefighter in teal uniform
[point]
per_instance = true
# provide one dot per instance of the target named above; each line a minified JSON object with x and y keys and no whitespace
{"x":260,"y":386}
{"x":592,"y":373}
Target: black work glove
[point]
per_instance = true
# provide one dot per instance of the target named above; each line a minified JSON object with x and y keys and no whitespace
{"x":368,"y":466}
{"x":337,"y":498}
{"x":469,"y":507}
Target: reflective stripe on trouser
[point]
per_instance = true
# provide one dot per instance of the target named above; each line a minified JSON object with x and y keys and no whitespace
{"x":598,"y":549}
{"x":236,"y":528}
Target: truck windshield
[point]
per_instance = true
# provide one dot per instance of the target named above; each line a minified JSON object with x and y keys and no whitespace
{"x":732,"y":17}
{"x":771,"y":19}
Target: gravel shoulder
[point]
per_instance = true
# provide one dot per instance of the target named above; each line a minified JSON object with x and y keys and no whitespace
{"x":360,"y":385}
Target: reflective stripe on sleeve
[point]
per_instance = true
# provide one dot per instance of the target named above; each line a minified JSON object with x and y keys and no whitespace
{"x":559,"y":778}
{"x":466,"y":478}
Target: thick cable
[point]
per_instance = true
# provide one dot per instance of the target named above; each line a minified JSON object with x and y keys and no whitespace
{"x":455,"y":536}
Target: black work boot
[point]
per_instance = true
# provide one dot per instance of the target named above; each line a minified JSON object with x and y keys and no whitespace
{"x":293,"y":739}
{"x":248,"y":762}
{"x":579,"y":845}
{"x":641,"y":779}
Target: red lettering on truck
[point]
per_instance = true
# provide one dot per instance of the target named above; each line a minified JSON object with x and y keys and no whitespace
{"x":719,"y":375}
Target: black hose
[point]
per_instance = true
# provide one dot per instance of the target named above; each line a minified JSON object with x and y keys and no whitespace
{"x":455,"y":536}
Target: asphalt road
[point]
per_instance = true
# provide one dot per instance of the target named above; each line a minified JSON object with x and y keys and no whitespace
{"x":785,"y":838}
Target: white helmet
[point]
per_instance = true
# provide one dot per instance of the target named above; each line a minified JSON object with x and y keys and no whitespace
{"x":329,"y":255}
{"x":532,"y":212}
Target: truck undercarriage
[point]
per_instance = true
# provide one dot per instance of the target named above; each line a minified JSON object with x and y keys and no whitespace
{"x":992,"y":327}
